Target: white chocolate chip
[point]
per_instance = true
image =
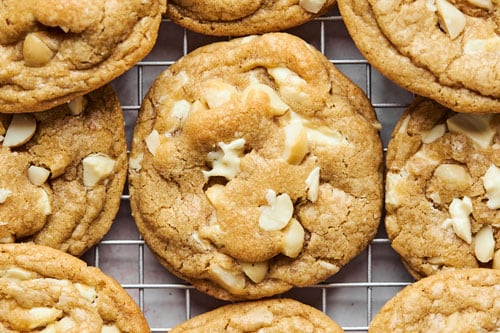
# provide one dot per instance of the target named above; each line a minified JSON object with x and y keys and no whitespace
{"x":87,"y":292}
{"x":38,"y":175}
{"x":4,"y":194}
{"x":451,"y":19}
{"x":42,"y":316}
{"x":313,"y":6}
{"x":312,"y":183}
{"x":65,"y":324}
{"x":226,"y":162}
{"x":328,"y":266}
{"x":496,"y":260}
{"x":278,"y":212}
{"x":77,"y":105}
{"x":453,"y":176}
{"x":290,"y":84}
{"x":491,"y":183}
{"x":484,"y":244}
{"x":35,"y":51}
{"x":153,"y":141}
{"x":293,"y":239}
{"x":460,"y":211}
{"x":21,"y":128}
{"x":485,"y":4}
{"x":296,"y":143}
{"x":474,"y":126}
{"x":433,"y":134}
{"x":319,"y":133}
{"x":216,"y":93}
{"x":488,"y":45}
{"x":235,"y":283}
{"x":276,"y":104}
{"x":256,"y":271}
{"x":180,"y":111}
{"x":110,"y":329}
{"x":96,"y":168}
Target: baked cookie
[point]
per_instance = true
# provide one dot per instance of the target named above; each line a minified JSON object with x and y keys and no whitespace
{"x":463,"y":300}
{"x":63,"y":172}
{"x":254,"y":170}
{"x":46,"y":290}
{"x":446,"y":50}
{"x":443,"y":189}
{"x":276,"y":315}
{"x":56,"y":50}
{"x":238,"y":18}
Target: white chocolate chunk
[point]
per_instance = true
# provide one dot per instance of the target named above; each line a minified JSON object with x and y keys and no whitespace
{"x":87,"y":292}
{"x":485,"y":4}
{"x":484,"y":244}
{"x":451,"y":19}
{"x":216,"y":93}
{"x":256,"y":271}
{"x":4,"y":194}
{"x":318,"y":133}
{"x":293,"y":240}
{"x":313,"y":6}
{"x":38,"y":175}
{"x":77,"y":105}
{"x":312,"y":183}
{"x":153,"y":141}
{"x":21,"y":128}
{"x":226,"y":162}
{"x":110,"y":329}
{"x":482,"y":45}
{"x":496,"y":260}
{"x":474,"y":126}
{"x":460,"y":209}
{"x":491,"y":183}
{"x":180,"y":111}
{"x":277,"y":106}
{"x":42,"y":316}
{"x":278,"y":212}
{"x":36,"y":53}
{"x":454,"y":175}
{"x":290,"y":84}
{"x":96,"y":168}
{"x":233,"y":282}
{"x":433,"y":134}
{"x":296,"y":143}
{"x":395,"y":185}
{"x":64,"y":325}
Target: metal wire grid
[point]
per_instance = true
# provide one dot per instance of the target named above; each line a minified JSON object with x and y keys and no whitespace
{"x":351,"y":297}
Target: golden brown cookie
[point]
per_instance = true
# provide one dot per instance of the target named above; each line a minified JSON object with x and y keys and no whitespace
{"x":238,"y":18}
{"x":272,"y":315}
{"x":443,"y":189}
{"x":55,"y":50}
{"x":46,"y":290}
{"x":446,"y":50}
{"x":253,"y":170}
{"x":63,"y":172}
{"x":463,"y":300}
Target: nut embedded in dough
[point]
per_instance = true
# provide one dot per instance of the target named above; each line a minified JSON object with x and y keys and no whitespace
{"x":36,"y":53}
{"x":21,"y":128}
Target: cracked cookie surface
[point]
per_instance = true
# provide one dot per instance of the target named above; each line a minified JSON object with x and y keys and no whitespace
{"x":46,"y":290}
{"x":63,"y":172}
{"x":446,"y":50}
{"x":463,"y":300}
{"x":53,"y":51}
{"x":238,"y":18}
{"x":443,"y":189}
{"x":255,"y":167}
{"x":276,"y":315}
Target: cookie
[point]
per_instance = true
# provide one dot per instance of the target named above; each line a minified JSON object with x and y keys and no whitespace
{"x":46,"y":290}
{"x":446,"y":50}
{"x":442,"y":189}
{"x":54,"y":51}
{"x":277,"y":315}
{"x":254,"y":170}
{"x":463,"y":300}
{"x":63,"y":172}
{"x":226,"y":18}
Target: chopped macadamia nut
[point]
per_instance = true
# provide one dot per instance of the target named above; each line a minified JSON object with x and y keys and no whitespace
{"x":4,"y":194}
{"x":290,"y":84}
{"x":110,"y":329}
{"x":433,"y":134}
{"x":217,"y":93}
{"x":21,"y":129}
{"x":35,"y":51}
{"x":44,"y":203}
{"x":179,"y":112}
{"x":153,"y":141}
{"x":460,"y":209}
{"x":312,"y":183}
{"x":233,"y":282}
{"x":484,"y":244}
{"x":485,"y":4}
{"x":395,"y":184}
{"x":226,"y":162}
{"x":276,"y":104}
{"x":296,"y":143}
{"x":17,"y":273}
{"x":38,"y":175}
{"x":474,"y":126}
{"x":293,"y":241}
{"x":42,"y":316}
{"x":277,"y":213}
{"x":451,"y":19}
{"x":256,"y":271}
{"x":313,"y":6}
{"x":318,"y":133}
{"x":491,"y":182}
{"x":96,"y":168}
{"x":453,"y":176}
{"x":87,"y":292}
{"x":77,"y":105}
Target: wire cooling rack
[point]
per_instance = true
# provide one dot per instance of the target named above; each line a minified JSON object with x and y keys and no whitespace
{"x":351,"y":297}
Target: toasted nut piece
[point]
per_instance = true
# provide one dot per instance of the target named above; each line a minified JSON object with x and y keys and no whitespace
{"x":97,"y":167}
{"x":42,"y":316}
{"x":256,"y":271}
{"x":235,"y":283}
{"x":491,"y":183}
{"x":485,"y":4}
{"x":433,"y":134}
{"x":453,"y":176}
{"x":460,"y":211}
{"x":496,"y":260}
{"x":153,"y":141}
{"x":296,"y":143}
{"x":313,"y":6}
{"x":110,"y":329}
{"x":44,"y":202}
{"x":179,"y":113}
{"x":4,"y":194}
{"x":214,"y":192}
{"x":77,"y":105}
{"x":38,"y":175}
{"x":278,"y":212}
{"x":484,"y":244}
{"x":216,"y":93}
{"x":312,"y":183}
{"x":17,"y":273}
{"x":87,"y":292}
{"x":36,"y":53}
{"x":135,"y":163}
{"x":276,"y":104}
{"x":290,"y":84}
{"x":21,"y":128}
{"x":293,"y":240}
{"x":226,"y":162}
{"x":474,"y":126}
{"x":451,"y":19}
{"x":482,"y":45}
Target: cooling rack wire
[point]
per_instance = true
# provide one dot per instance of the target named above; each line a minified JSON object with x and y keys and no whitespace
{"x":352,"y":296}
